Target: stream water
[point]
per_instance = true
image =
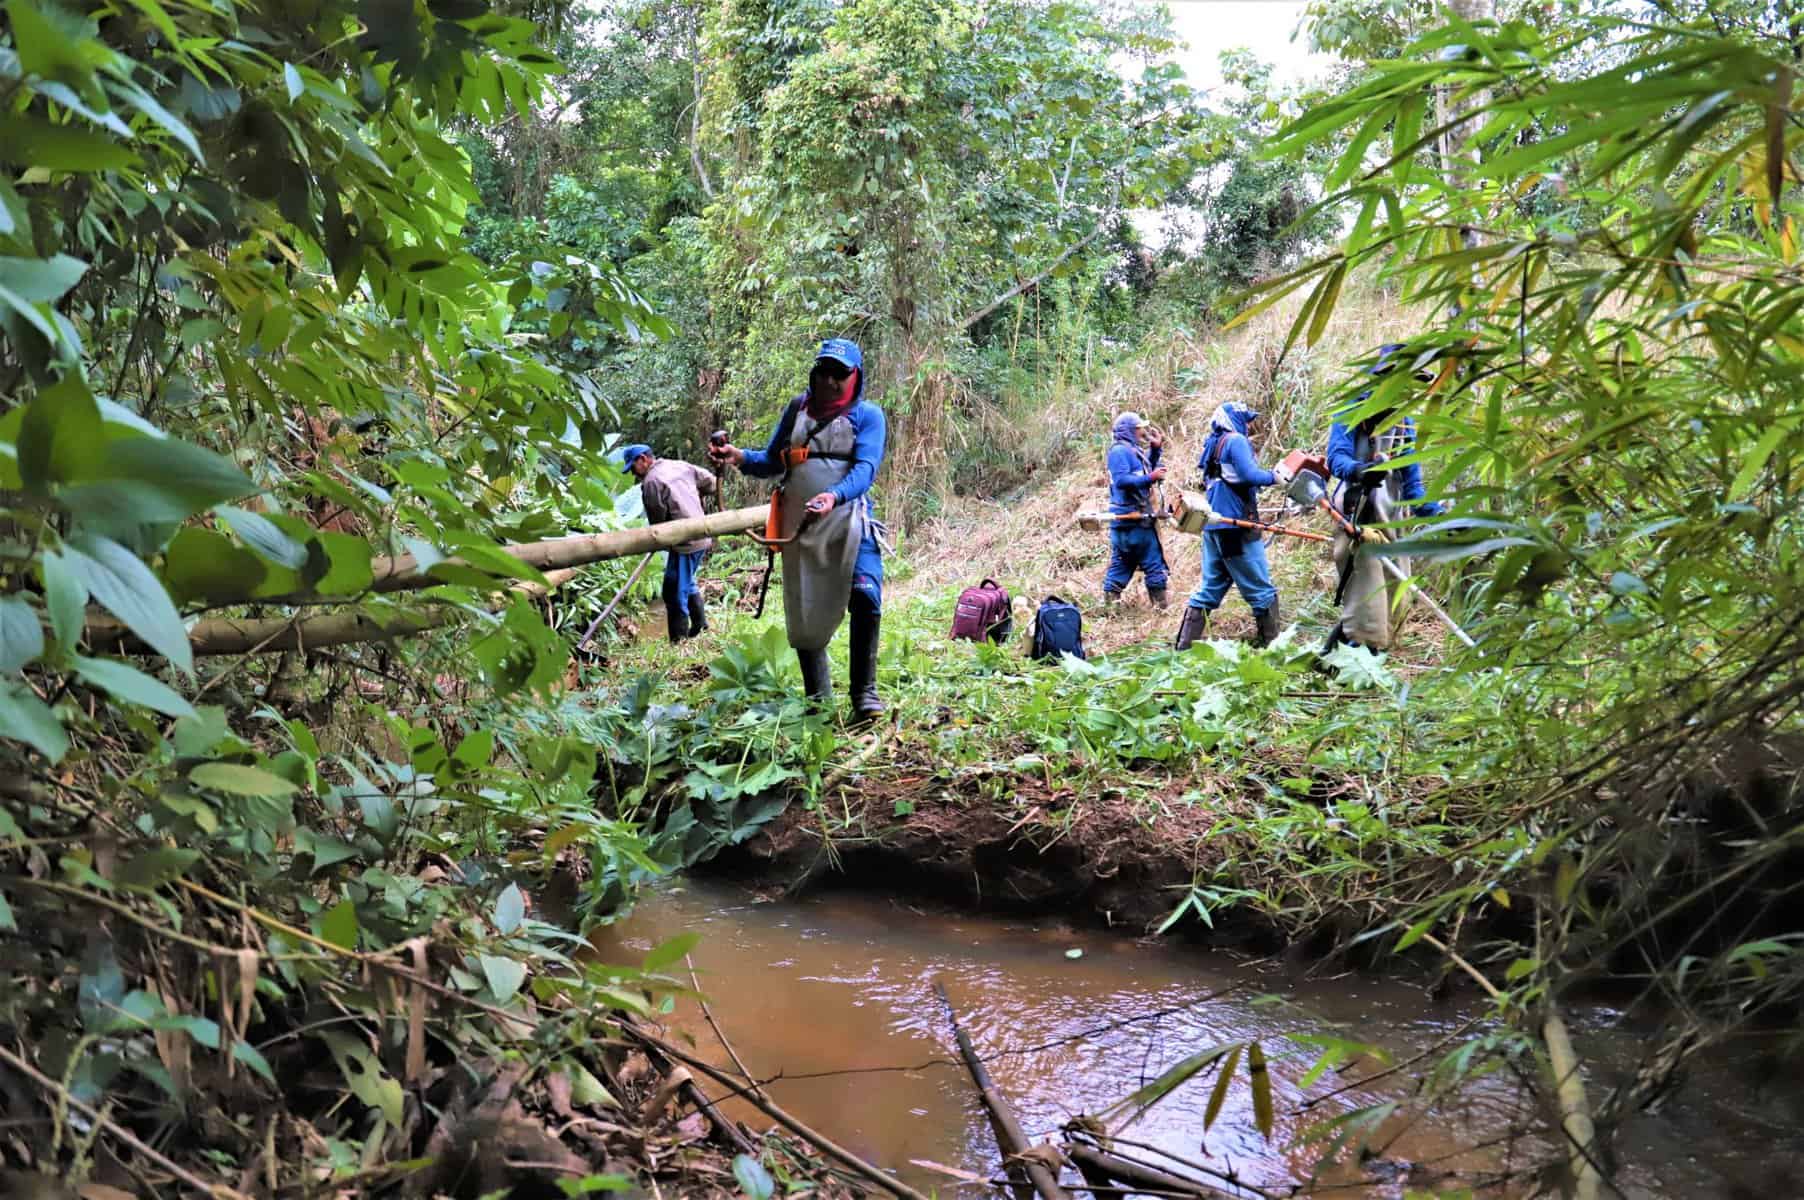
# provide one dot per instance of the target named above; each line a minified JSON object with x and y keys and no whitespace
{"x":833,"y":995}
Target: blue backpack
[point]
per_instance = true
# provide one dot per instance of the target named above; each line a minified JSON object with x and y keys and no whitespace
{"x":1058,"y":629}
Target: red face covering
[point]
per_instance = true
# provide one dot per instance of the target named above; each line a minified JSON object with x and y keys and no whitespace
{"x":835,"y":404}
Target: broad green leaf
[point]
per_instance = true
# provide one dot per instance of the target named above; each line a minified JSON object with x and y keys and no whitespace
{"x":338,"y":925}
{"x":201,"y":733}
{"x":364,"y":1074}
{"x":265,"y":537}
{"x":121,"y":583}
{"x":132,"y":685}
{"x":253,"y":1058}
{"x":151,"y":107}
{"x":510,"y":909}
{"x":7,"y":923}
{"x":292,"y":78}
{"x":34,"y":139}
{"x":239,"y":780}
{"x":504,"y":975}
{"x":190,"y":479}
{"x":153,"y":868}
{"x":21,"y":635}
{"x":60,"y":440}
{"x":753,"y":1178}
{"x":66,"y":597}
{"x":41,"y":280}
{"x":670,"y":951}
{"x":325,"y":851}
{"x":350,"y":572}
{"x":25,"y":718}
{"x":202,"y":564}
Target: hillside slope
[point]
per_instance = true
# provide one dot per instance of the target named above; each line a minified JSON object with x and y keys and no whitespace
{"x":1034,"y":547}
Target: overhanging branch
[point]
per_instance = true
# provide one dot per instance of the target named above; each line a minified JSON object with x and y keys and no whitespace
{"x":1029,"y":284}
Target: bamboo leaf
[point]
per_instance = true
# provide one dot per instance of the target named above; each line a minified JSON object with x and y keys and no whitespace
{"x":1261,"y":1080}
{"x":1224,"y":1079}
{"x":1324,"y":308}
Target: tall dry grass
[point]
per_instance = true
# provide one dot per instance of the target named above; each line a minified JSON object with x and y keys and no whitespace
{"x":1028,"y":538}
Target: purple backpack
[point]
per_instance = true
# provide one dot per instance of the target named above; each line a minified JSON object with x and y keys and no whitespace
{"x":983,"y":612}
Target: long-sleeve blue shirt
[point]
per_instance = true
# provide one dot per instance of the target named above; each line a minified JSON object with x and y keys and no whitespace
{"x":1131,"y":477}
{"x":870,"y":435}
{"x":1344,"y":462}
{"x":1236,"y":492}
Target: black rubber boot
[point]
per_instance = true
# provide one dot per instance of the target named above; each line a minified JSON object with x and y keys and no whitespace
{"x":861,"y":651}
{"x":817,"y":677}
{"x":698,"y":615}
{"x":1194,"y":625}
{"x":675,"y":618}
{"x":1158,"y":597}
{"x":1267,"y":625}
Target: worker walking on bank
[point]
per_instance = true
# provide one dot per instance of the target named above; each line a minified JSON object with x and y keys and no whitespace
{"x":671,"y":491}
{"x":825,"y":453}
{"x":1366,"y":596}
{"x":1232,"y":554}
{"x":1134,"y":540}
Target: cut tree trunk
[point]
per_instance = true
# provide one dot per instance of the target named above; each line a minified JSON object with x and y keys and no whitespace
{"x":560,"y":558}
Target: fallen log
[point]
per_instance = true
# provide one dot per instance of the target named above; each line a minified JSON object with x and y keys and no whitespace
{"x":558,"y":558}
{"x":231,"y":635}
{"x":1008,"y":1130}
{"x":765,"y":1105}
{"x":1099,"y":1167}
{"x":402,"y":573}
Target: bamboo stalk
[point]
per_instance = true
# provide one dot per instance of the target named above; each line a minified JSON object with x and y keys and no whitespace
{"x":1134,"y":1174}
{"x":228,"y":635}
{"x":1575,"y":1116}
{"x":557,"y":557}
{"x":819,"y":1141}
{"x":1008,"y":1130}
{"x":403,"y":573}
{"x":612,"y":604}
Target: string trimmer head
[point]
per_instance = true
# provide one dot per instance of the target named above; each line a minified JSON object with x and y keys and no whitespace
{"x":1308,"y":477}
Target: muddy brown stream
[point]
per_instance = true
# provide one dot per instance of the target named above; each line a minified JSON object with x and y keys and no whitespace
{"x":832,"y":998}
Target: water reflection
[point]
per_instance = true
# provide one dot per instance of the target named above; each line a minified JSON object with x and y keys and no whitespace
{"x":832,"y":997}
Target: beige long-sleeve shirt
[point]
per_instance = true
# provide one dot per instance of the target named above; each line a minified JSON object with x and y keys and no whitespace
{"x":673,"y":490}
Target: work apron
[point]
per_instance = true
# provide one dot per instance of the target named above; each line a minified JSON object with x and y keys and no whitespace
{"x":1375,"y":602}
{"x":818,"y":566}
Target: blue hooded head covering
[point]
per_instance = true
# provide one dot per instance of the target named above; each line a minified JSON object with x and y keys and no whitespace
{"x":1231,"y":417}
{"x":631,"y":455}
{"x":1127,"y":428}
{"x":844,"y":351}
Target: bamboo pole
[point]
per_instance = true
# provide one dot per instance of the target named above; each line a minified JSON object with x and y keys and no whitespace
{"x":1008,"y":1130}
{"x":612,"y":604}
{"x":402,"y":573}
{"x":818,"y":1140}
{"x":1110,"y":1166}
{"x":230,"y":635}
{"x":558,"y":557}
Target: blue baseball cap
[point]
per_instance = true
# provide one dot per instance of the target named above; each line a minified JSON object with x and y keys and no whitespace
{"x":631,"y":455}
{"x":842,"y":350}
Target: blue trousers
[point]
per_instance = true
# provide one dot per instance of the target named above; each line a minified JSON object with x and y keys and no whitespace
{"x":680,"y":571}
{"x":867,"y":572}
{"x":1234,"y":556}
{"x":1134,"y":547}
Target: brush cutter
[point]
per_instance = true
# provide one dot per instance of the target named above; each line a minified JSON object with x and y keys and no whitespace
{"x":772,"y":544}
{"x":1309,"y":487}
{"x":1194,"y":515}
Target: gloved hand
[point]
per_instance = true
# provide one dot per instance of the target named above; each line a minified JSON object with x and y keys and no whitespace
{"x":1158,"y":475}
{"x":1372,"y":536}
